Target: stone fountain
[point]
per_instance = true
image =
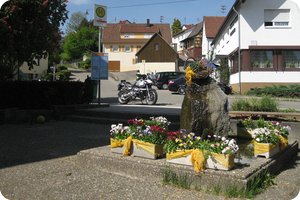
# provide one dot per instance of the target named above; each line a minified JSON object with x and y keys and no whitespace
{"x":205,"y":106}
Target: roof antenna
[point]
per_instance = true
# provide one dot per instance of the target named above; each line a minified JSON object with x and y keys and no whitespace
{"x":223,"y":9}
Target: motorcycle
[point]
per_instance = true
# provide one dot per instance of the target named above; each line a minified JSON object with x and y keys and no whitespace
{"x":142,"y":89}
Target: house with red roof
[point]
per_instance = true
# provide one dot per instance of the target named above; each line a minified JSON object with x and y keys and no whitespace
{"x":121,"y":41}
{"x":211,"y":25}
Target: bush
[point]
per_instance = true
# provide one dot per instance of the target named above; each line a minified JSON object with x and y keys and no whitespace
{"x":288,"y":91}
{"x":265,"y":104}
{"x":85,"y":64}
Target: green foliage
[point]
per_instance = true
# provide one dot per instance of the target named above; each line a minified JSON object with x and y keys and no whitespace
{"x":265,"y":104}
{"x":288,"y":91}
{"x":29,"y":30}
{"x":178,"y":180}
{"x":259,"y":183}
{"x":63,"y":75}
{"x":85,"y":64}
{"x":176,"y":26}
{"x":223,"y":71}
{"x":77,"y":43}
{"x":75,"y":22}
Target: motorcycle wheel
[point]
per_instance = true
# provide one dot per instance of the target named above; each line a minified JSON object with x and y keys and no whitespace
{"x":121,"y":98}
{"x":151,"y":98}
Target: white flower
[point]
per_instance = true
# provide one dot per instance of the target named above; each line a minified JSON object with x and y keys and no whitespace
{"x":232,"y":142}
{"x":113,"y":126}
{"x":223,"y":138}
{"x":257,"y":139}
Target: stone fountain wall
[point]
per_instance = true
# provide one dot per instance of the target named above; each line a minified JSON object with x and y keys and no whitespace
{"x":205,"y":108}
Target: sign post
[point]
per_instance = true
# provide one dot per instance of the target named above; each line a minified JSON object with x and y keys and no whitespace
{"x":100,"y":20}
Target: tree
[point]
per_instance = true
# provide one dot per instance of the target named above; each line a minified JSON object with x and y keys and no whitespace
{"x":76,"y":44}
{"x":29,"y":30}
{"x":176,"y":26}
{"x":75,"y":22}
{"x":223,"y":71}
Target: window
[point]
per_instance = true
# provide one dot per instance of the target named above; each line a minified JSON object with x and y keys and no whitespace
{"x":156,"y":46}
{"x":128,"y":35}
{"x":147,"y":35}
{"x":262,"y":59}
{"x":115,"y":48}
{"x":277,"y":17}
{"x":127,"y":48}
{"x":291,"y":59}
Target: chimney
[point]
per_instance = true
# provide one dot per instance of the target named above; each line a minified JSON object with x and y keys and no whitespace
{"x":148,"y":23}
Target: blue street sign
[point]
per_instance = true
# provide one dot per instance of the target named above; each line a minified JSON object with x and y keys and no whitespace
{"x":99,"y":67}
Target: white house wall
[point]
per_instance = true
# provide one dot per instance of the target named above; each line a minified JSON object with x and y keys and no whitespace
{"x":266,"y":77}
{"x":178,"y":38}
{"x":228,"y":42}
{"x":126,"y":59}
{"x":253,"y":31}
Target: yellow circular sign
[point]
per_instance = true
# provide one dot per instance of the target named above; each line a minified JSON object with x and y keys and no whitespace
{"x":100,"y":12}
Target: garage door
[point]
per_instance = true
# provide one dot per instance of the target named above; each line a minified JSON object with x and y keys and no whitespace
{"x":114,"y":66}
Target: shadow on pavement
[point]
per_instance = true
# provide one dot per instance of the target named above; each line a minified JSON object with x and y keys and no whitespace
{"x":26,"y":143}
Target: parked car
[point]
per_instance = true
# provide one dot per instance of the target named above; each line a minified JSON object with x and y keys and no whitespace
{"x":177,"y":85}
{"x":163,"y":78}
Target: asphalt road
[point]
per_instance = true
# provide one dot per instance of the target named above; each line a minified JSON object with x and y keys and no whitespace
{"x":109,"y":91}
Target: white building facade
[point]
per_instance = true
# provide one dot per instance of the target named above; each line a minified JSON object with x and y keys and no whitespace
{"x":261,"y":41}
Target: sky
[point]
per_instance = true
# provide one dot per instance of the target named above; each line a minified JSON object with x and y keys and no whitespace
{"x":187,"y":11}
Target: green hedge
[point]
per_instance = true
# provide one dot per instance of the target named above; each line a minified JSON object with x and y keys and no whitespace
{"x":37,"y":95}
{"x":264,"y":104}
{"x":288,"y":91}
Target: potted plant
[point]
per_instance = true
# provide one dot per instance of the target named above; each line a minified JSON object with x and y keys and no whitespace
{"x":266,"y":142}
{"x":145,"y":138}
{"x":119,"y":139}
{"x":214,"y":152}
{"x":252,"y":128}
{"x":221,"y":153}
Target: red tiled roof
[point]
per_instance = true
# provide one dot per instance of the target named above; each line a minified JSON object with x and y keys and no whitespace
{"x":212,"y":25}
{"x":112,"y":32}
{"x":138,"y":28}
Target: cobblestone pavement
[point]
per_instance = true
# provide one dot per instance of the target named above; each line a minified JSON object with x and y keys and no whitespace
{"x":38,"y":161}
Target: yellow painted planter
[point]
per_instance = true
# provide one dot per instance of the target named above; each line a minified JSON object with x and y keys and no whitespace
{"x":196,"y":159}
{"x":147,"y":150}
{"x":117,"y":146}
{"x":220,"y":161}
{"x":266,"y":150}
{"x":136,"y":148}
{"x":283,"y":142}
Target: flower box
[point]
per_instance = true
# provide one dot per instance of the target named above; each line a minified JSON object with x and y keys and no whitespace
{"x":266,"y":150}
{"x":220,"y":161}
{"x":283,"y":142}
{"x":117,"y":146}
{"x":214,"y":161}
{"x":180,"y":157}
{"x":147,"y":150}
